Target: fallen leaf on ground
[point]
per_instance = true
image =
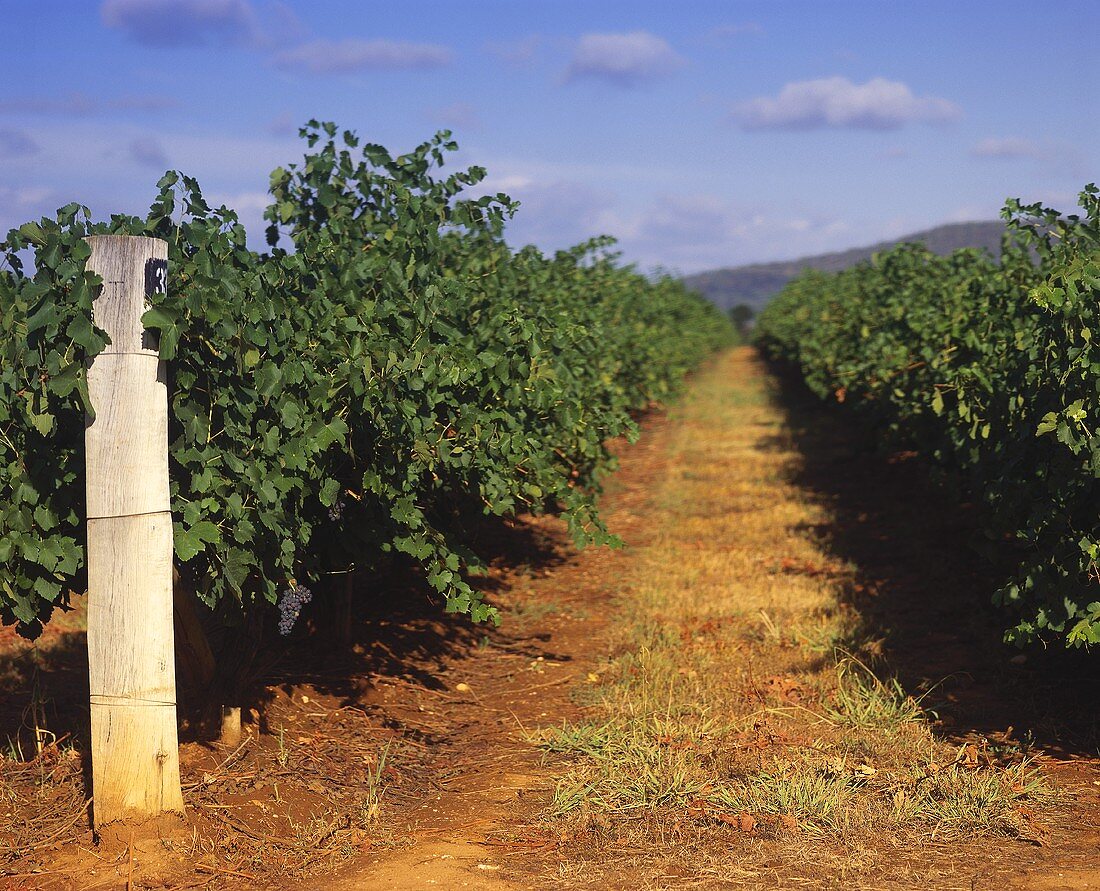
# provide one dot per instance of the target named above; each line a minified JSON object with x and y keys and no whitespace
{"x":740,"y":822}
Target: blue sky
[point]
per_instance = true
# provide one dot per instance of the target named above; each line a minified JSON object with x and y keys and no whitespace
{"x":701,"y":134}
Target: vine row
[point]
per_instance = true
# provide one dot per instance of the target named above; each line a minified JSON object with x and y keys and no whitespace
{"x":988,"y":366}
{"x":386,"y":368}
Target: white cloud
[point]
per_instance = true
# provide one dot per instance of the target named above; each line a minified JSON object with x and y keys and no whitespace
{"x":351,"y":55}
{"x":879,"y":104}
{"x":624,"y":59}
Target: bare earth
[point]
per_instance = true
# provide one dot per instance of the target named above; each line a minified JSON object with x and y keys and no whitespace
{"x":763,"y":536}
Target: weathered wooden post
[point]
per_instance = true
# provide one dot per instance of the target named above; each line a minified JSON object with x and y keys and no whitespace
{"x":135,"y":753}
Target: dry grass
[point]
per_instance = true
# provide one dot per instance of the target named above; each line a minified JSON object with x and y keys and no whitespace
{"x":743,"y":696}
{"x":298,"y":802}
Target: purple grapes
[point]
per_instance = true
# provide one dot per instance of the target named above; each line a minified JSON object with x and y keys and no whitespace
{"x":336,"y":512}
{"x":291,"y":602}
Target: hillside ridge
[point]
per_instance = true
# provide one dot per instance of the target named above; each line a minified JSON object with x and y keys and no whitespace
{"x":755,"y":284}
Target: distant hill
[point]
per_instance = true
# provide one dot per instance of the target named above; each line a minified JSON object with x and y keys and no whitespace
{"x":757,"y":283}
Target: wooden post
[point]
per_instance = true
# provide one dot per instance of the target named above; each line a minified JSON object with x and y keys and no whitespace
{"x":231,"y":725}
{"x":135,"y":752}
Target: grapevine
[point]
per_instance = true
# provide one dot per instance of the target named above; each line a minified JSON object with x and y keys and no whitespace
{"x":988,"y":367}
{"x":388,"y":365}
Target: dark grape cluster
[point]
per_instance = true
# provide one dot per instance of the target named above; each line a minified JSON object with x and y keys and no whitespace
{"x":336,"y":512}
{"x":291,"y":602}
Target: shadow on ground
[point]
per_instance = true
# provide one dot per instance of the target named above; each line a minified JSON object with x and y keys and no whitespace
{"x":924,"y":581}
{"x":397,"y":629}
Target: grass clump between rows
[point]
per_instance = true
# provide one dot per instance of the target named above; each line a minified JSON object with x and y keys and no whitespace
{"x":739,"y":697}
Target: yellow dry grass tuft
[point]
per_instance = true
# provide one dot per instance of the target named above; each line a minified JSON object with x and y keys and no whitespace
{"x":740,"y":695}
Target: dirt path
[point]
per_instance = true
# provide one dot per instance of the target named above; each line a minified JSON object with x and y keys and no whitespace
{"x":743,"y":510}
{"x":691,"y":687}
{"x":484,"y":806}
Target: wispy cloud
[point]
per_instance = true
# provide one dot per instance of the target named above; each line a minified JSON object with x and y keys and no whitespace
{"x":1053,"y":155}
{"x":217,"y":158}
{"x":683,"y":230}
{"x":16,"y":144}
{"x":1011,"y":148}
{"x":626,"y":60}
{"x":21,"y":203}
{"x":81,"y":105}
{"x":521,"y":52}
{"x":456,"y":116}
{"x":836,"y":102}
{"x":727,"y":32}
{"x":141,"y":103}
{"x":113,"y":166}
{"x":269,"y":27}
{"x":689,"y":232}
{"x":554,"y":213}
{"x":249,"y":206}
{"x":283,"y":124}
{"x":148,"y":152}
{"x":351,"y":55}
{"x":169,"y":23}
